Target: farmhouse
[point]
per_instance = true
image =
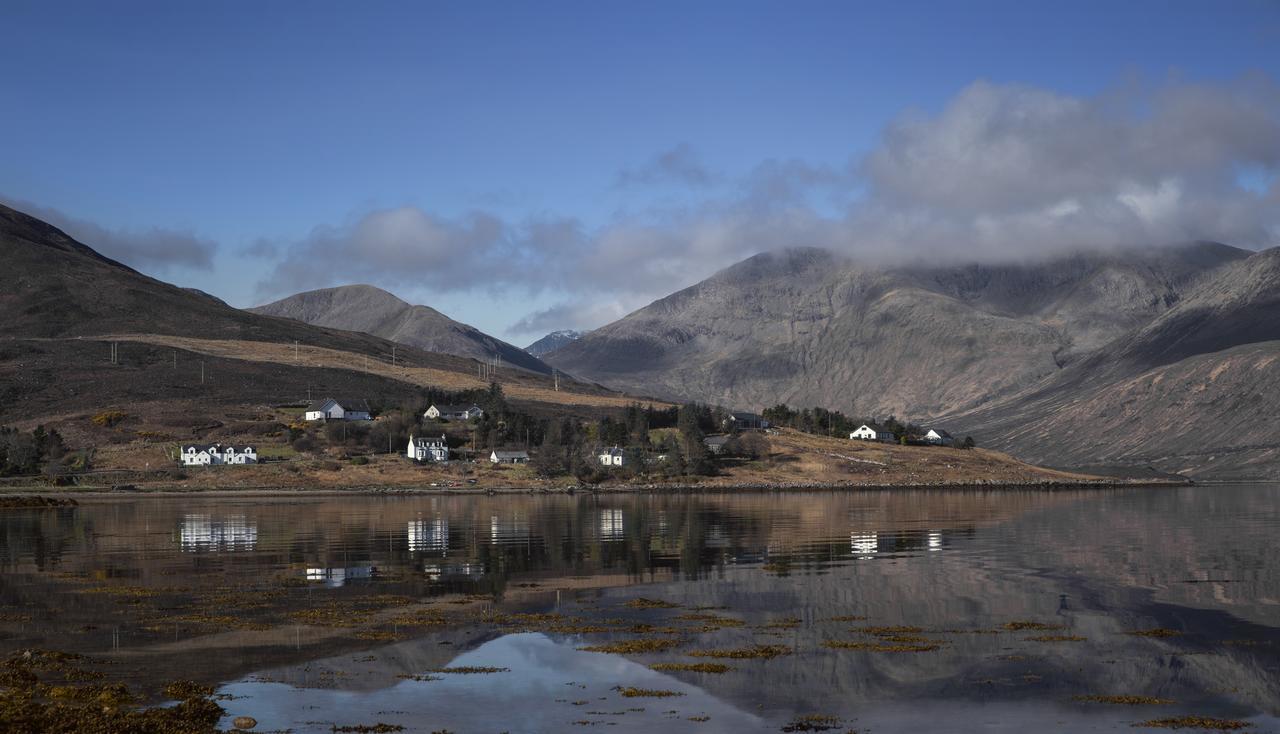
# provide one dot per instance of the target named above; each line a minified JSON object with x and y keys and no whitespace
{"x":715,"y":444}
{"x":211,"y":454}
{"x":509,"y":457}
{"x":428,"y":448}
{"x":738,"y":421}
{"x":454,"y":412}
{"x":611,"y":457}
{"x":334,"y":410}
{"x":939,"y":437}
{"x":872,"y":432}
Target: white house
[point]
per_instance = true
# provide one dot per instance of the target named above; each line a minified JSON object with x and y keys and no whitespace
{"x":611,"y":457}
{"x":872,"y":432}
{"x":509,"y":457}
{"x":428,"y":448}
{"x":210,"y":454}
{"x":454,"y":412}
{"x":333,"y":410}
{"x":939,"y":437}
{"x":715,"y":444}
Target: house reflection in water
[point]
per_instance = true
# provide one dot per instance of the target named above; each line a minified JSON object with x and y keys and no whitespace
{"x":863,"y":545}
{"x":611,"y":527}
{"x":428,"y":535}
{"x":441,"y":571}
{"x":935,"y":540}
{"x":514,"y":530}
{"x":203,"y":533}
{"x":335,"y":577}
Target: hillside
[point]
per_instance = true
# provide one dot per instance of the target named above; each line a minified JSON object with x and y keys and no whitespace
{"x":1007,"y":353}
{"x":374,"y":311}
{"x":810,"y":328}
{"x":1195,"y":390}
{"x":183,"y":350}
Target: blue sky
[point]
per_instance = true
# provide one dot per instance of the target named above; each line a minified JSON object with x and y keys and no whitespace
{"x":536,"y":165}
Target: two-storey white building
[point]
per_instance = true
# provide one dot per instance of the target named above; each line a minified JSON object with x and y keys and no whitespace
{"x":214,"y":454}
{"x":428,"y":448}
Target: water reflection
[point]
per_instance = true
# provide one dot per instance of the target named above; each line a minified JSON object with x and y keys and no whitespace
{"x":428,"y":535}
{"x":204,"y":533}
{"x":958,"y":565}
{"x":334,"y":577}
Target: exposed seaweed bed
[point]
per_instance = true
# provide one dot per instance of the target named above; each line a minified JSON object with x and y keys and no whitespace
{"x":48,"y":690}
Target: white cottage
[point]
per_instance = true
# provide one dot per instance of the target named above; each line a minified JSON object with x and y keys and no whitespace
{"x":212,"y":454}
{"x":509,"y":457}
{"x":428,"y":448}
{"x":454,"y":412}
{"x":939,"y":437}
{"x":872,"y":432}
{"x":334,"y":410}
{"x":612,"y":457}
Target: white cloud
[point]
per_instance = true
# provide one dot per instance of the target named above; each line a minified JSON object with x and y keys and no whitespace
{"x":151,"y":250}
{"x":1003,"y":171}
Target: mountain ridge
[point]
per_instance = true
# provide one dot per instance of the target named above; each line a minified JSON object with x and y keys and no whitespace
{"x":812,"y":328}
{"x":368,"y":309}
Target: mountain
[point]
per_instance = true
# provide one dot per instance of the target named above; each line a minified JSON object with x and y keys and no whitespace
{"x":552,"y":342}
{"x":1195,"y":390}
{"x":374,"y":311}
{"x":184,"y":354}
{"x":1007,"y":352}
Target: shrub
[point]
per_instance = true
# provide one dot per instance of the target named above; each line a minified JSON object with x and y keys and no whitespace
{"x":359,"y":460}
{"x":108,"y":418}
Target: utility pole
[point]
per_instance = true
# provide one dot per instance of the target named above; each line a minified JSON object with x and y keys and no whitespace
{"x":393,"y":356}
{"x":295,"y":351}
{"x":202,"y":372}
{"x":175,"y":359}
{"x":556,"y":374}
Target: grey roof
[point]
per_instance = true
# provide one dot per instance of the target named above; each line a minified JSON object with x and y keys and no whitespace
{"x":741,"y":416}
{"x":425,"y":440}
{"x":615,"y":451}
{"x":876,"y":427}
{"x":512,"y":454}
{"x":356,"y":404}
{"x":215,"y":447}
{"x":715,"y":440}
{"x":455,"y":408}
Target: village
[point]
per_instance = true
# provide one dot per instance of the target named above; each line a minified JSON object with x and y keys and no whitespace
{"x":644,"y":442}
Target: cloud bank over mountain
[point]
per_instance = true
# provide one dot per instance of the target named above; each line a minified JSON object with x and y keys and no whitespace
{"x":1001,"y":172}
{"x":153,"y":250}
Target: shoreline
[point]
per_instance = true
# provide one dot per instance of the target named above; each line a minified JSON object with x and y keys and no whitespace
{"x":388,"y":490}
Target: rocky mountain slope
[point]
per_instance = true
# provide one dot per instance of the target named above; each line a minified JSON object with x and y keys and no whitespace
{"x":181,"y":349}
{"x":374,"y":311}
{"x":1009,"y":353}
{"x":552,"y":342}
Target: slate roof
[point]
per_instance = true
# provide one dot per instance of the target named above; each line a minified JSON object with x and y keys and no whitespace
{"x":358,"y":405}
{"x":511,"y":455}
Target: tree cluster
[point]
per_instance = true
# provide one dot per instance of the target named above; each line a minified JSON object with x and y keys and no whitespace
{"x":23,"y":453}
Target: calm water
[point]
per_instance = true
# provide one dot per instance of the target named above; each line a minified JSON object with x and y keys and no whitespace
{"x":212,"y":589}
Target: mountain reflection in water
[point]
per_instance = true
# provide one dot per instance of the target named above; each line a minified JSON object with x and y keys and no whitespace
{"x":957,"y":574}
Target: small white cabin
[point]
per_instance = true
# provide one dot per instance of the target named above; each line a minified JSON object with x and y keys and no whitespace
{"x":872,"y":432}
{"x":454,"y":412}
{"x":333,"y":410}
{"x":428,"y":448}
{"x":939,"y":437}
{"x":509,"y":457}
{"x":612,"y":457}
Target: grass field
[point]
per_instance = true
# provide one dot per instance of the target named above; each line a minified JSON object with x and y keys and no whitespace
{"x":517,"y":384}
